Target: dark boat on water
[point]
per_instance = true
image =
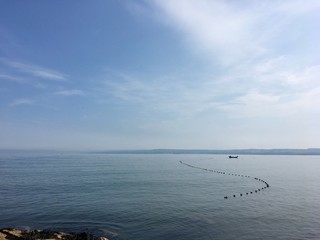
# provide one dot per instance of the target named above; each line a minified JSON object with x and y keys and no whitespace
{"x":233,"y":156}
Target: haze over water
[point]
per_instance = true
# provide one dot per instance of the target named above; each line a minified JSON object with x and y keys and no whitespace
{"x":155,"y":197}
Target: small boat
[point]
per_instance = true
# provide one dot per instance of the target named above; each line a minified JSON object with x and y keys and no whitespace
{"x":233,"y":156}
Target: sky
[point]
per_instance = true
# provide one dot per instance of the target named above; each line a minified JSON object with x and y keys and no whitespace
{"x":186,"y":74}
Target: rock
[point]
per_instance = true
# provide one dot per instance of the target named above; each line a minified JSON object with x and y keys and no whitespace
{"x":11,"y":233}
{"x":14,"y":234}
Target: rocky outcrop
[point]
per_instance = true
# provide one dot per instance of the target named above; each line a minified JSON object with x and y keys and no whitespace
{"x":15,"y":234}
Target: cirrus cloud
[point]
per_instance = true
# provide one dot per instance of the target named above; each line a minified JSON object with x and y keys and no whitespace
{"x":21,"y":101}
{"x":70,"y":92}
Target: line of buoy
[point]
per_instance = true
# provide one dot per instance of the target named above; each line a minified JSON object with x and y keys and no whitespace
{"x":232,"y":174}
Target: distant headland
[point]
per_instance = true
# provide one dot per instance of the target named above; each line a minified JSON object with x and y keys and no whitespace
{"x":252,"y":151}
{"x":307,"y":151}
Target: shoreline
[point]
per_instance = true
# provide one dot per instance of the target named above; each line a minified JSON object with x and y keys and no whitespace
{"x":16,"y":234}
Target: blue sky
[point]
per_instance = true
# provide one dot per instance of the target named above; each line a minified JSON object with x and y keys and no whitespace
{"x":205,"y":74}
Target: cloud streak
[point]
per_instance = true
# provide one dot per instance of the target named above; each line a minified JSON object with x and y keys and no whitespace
{"x":21,"y":101}
{"x":231,"y":32}
{"x":255,"y":44}
{"x":214,"y":27}
{"x":236,"y":101}
{"x":35,"y":71}
{"x":71,"y":92}
{"x":12,"y":78}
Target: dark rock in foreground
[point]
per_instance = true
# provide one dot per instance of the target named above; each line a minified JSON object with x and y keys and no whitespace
{"x":14,"y":234}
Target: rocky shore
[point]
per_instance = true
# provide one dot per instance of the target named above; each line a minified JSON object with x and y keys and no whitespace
{"x":15,"y":234}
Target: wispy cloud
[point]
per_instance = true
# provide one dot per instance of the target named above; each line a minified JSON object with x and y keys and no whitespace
{"x":71,"y":92}
{"x":34,"y":70}
{"x":171,"y":94}
{"x":255,"y":43}
{"x":21,"y":101}
{"x":266,"y":91}
{"x":233,"y":32}
{"x":214,"y":27}
{"x":298,"y":7}
{"x":7,"y":77}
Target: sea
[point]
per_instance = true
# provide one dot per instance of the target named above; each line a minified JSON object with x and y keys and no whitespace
{"x":154,"y":196}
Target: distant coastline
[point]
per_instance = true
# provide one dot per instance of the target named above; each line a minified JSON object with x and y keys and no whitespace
{"x":307,"y":151}
{"x":275,"y":151}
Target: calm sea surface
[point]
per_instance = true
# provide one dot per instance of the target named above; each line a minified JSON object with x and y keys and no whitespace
{"x":156,"y":197}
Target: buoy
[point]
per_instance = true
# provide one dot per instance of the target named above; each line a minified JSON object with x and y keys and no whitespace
{"x":233,"y":174}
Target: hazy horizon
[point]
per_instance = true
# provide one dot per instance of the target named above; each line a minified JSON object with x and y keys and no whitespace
{"x":244,"y":151}
{"x":159,"y":74}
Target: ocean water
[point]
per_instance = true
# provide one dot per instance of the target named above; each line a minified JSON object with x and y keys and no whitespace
{"x":156,"y":197}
